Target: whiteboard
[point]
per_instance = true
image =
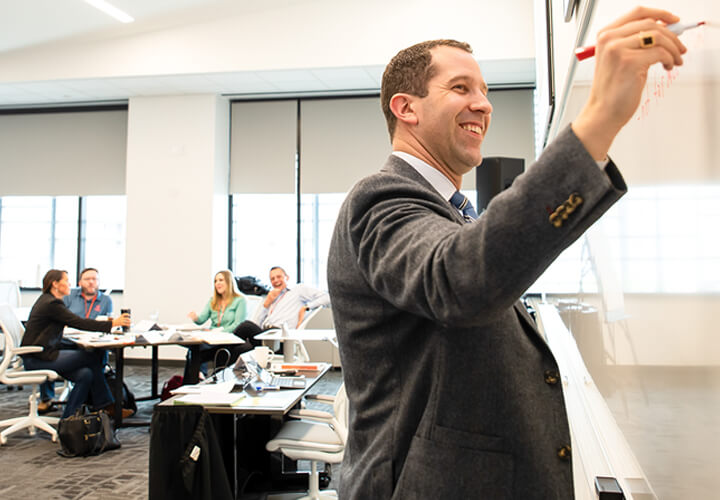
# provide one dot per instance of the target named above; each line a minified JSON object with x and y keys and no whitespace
{"x":674,"y":137}
{"x":655,"y":257}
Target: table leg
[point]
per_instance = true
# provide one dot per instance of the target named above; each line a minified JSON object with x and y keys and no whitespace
{"x":154,"y":394}
{"x":118,"y":389}
{"x":154,"y":373}
{"x":193,"y":375}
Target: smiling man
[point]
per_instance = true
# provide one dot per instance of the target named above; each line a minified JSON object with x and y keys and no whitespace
{"x":453,"y":393}
{"x":87,"y":300}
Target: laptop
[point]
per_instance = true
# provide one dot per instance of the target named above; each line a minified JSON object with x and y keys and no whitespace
{"x":268,"y":378}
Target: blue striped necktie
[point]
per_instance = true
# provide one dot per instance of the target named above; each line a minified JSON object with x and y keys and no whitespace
{"x":463,"y":204}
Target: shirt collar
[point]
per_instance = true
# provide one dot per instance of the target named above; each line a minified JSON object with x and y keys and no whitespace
{"x":437,"y":179}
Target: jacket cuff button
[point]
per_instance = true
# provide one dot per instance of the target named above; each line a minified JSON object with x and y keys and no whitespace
{"x":551,"y":377}
{"x":564,"y":453}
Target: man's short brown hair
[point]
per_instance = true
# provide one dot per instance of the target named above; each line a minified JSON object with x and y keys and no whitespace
{"x":409,"y":72}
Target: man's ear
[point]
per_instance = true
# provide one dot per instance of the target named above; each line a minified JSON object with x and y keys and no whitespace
{"x":403,"y":107}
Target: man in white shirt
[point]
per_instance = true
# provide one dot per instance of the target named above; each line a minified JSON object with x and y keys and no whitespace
{"x":282,"y":305}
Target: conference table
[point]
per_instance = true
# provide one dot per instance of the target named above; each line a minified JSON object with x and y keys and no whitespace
{"x":250,"y":423}
{"x":117,"y":341}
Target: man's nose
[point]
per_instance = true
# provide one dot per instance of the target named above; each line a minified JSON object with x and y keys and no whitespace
{"x":481,"y":102}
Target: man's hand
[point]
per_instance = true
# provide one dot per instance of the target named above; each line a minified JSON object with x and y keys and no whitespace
{"x":122,"y":320}
{"x":271,"y":296}
{"x":621,"y":68}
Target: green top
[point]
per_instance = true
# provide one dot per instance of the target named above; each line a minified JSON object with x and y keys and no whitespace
{"x":229,"y":319}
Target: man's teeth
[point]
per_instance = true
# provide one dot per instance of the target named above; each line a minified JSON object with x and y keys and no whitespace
{"x":473,"y":128}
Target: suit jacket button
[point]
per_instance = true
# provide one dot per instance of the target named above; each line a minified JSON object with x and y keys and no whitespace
{"x":564,"y":453}
{"x":551,"y":377}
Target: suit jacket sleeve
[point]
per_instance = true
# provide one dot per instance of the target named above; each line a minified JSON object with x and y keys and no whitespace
{"x":61,"y":314}
{"x":415,"y":252}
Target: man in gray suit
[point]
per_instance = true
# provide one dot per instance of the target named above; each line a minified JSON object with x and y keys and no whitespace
{"x":453,"y":392}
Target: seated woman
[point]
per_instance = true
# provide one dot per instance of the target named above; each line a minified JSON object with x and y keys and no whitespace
{"x":226,"y":309}
{"x":48,"y":317}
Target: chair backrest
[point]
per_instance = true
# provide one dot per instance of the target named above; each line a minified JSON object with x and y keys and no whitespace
{"x":320,"y":317}
{"x":340,"y":408}
{"x":12,"y":324}
{"x":7,"y":352}
{"x":12,"y":329}
{"x":253,"y":306}
{"x":10,"y":293}
{"x":8,"y":324}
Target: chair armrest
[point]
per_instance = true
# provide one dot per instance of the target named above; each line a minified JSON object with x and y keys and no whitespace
{"x":27,"y":349}
{"x":315,"y":416}
{"x":321,"y":398}
{"x":50,"y":374}
{"x":311,"y":414}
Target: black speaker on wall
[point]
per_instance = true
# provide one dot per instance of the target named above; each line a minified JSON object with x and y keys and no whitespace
{"x":495,"y":174}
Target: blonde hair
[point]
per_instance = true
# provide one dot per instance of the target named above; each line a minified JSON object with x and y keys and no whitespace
{"x":230,"y":290}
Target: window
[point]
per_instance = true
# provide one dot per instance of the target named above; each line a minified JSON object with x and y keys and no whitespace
{"x":318,"y":215}
{"x":264,"y":234}
{"x":104,"y":239}
{"x":38,"y":233}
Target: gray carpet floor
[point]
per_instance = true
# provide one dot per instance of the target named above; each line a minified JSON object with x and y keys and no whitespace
{"x":30,"y":468}
{"x":670,"y":417}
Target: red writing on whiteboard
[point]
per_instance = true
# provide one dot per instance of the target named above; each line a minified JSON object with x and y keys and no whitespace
{"x":659,"y":82}
{"x":655,"y":88}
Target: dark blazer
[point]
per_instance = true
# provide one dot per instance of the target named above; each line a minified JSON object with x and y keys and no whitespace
{"x":453,"y":392}
{"x":46,"y":322}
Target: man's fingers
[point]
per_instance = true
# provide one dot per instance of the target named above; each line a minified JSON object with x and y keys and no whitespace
{"x":644,"y":35}
{"x":643,"y":13}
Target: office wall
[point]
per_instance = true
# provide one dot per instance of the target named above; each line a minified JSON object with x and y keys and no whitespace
{"x":177,"y":182}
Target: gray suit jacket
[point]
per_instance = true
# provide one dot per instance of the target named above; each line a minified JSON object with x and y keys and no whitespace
{"x":453,"y":392}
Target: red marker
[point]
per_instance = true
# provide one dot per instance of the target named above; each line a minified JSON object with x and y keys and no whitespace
{"x":678,"y":28}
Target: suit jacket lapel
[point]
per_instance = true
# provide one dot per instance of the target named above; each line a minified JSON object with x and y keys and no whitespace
{"x":528,"y":320}
{"x":399,"y":166}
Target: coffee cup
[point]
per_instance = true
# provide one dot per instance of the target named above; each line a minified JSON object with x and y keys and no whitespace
{"x":263,"y":355}
{"x":125,"y":311}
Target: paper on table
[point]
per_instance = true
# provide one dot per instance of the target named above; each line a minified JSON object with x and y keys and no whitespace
{"x":270,"y":399}
{"x":211,"y":399}
{"x":217,"y":337}
{"x":186,"y":327}
{"x":222,"y":387}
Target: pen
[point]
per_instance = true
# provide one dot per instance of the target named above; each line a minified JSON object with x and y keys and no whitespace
{"x":678,"y":28}
{"x":260,"y":388}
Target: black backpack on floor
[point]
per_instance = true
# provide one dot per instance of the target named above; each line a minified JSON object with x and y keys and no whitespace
{"x":128,"y":397}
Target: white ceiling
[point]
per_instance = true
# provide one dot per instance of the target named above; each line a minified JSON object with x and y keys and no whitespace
{"x":29,"y":23}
